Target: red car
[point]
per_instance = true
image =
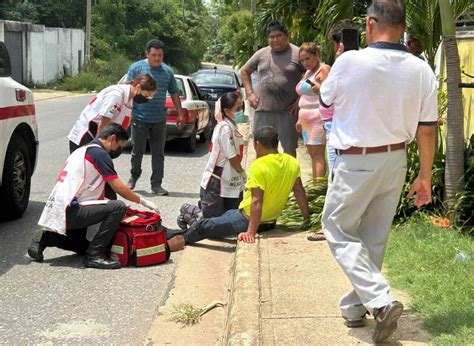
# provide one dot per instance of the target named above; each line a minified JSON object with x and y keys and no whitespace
{"x":197,"y":117}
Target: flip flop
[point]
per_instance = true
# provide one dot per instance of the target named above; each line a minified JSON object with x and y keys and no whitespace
{"x":318,"y":236}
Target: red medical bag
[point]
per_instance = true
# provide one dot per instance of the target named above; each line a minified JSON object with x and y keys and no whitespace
{"x":140,"y":240}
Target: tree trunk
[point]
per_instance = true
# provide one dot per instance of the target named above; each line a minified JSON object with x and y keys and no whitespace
{"x":454,"y":174}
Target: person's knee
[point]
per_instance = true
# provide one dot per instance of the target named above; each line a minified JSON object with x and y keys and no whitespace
{"x":118,"y":207}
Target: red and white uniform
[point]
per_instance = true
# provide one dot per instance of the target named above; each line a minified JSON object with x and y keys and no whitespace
{"x":112,"y":102}
{"x":227,"y":143}
{"x":83,"y":179}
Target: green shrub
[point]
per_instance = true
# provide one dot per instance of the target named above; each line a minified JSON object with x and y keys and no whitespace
{"x":84,"y":81}
{"x":98,"y":74}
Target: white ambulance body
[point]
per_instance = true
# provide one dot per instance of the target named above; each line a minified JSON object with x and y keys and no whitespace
{"x":18,"y":141}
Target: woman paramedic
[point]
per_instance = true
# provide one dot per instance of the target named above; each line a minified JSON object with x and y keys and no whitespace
{"x":112,"y":105}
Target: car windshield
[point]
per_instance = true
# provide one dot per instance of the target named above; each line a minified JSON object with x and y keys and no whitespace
{"x":215,"y":78}
{"x":181,"y":90}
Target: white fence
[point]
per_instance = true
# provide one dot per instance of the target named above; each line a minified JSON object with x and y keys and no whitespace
{"x":40,"y":54}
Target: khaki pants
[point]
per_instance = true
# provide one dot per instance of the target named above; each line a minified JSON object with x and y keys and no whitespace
{"x":360,"y":205}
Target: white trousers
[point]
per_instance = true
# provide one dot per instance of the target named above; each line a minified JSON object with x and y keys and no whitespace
{"x":358,"y":213}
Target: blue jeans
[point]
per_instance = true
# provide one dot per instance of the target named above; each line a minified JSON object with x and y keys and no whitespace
{"x":229,"y":224}
{"x":330,"y":151}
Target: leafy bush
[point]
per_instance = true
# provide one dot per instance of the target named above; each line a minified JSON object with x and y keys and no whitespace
{"x":84,"y":81}
{"x":98,"y":75}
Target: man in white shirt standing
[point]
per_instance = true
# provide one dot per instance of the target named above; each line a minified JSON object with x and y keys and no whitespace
{"x":383,"y":98}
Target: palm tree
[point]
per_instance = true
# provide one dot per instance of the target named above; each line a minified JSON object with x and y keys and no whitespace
{"x":454,"y":173}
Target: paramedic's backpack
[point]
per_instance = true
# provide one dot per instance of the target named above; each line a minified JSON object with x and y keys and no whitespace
{"x":140,"y":240}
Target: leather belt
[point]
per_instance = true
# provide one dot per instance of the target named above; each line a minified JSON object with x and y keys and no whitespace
{"x":371,"y":150}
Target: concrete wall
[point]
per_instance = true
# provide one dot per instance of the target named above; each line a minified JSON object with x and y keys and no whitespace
{"x":49,"y":53}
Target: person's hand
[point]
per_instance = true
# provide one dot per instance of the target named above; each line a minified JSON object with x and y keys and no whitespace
{"x":294,"y":108}
{"x":246,"y":237}
{"x":422,"y":188}
{"x":180,"y":122}
{"x":298,"y":126}
{"x":253,"y":100}
{"x":340,"y":50}
{"x":149,"y":204}
{"x":316,"y":87}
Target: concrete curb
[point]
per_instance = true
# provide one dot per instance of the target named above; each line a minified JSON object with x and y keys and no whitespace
{"x":243,"y":318}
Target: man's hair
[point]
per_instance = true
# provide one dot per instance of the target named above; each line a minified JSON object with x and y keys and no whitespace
{"x":114,"y":129}
{"x":157,"y":44}
{"x":336,"y":32}
{"x":390,"y":12}
{"x":266,"y":136}
{"x":310,"y":48}
{"x":276,"y":25}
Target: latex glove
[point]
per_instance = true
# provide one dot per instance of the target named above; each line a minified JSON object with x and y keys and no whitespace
{"x":149,"y":204}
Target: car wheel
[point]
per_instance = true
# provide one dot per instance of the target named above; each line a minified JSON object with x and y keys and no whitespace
{"x":16,"y":182}
{"x":190,"y":143}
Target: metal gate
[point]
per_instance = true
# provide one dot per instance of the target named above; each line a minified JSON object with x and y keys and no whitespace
{"x":14,"y":43}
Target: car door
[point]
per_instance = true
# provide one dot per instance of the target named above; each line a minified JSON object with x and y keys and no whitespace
{"x":201,"y":106}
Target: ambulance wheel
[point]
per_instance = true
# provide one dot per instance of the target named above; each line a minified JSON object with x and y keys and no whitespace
{"x":190,"y":143}
{"x":16,"y":181}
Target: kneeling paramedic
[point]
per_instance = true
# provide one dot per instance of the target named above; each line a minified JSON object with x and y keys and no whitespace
{"x":77,"y":202}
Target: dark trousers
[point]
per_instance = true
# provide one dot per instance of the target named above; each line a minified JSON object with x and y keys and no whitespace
{"x":78,"y":218}
{"x":211,"y":203}
{"x":156,"y":133}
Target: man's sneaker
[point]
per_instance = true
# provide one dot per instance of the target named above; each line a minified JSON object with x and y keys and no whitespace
{"x":159,"y":190}
{"x":181,"y":223}
{"x":189,"y":214}
{"x":132,"y":182}
{"x":37,"y":245}
{"x":386,"y":319}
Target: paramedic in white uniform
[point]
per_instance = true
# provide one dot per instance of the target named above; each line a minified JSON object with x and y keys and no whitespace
{"x":77,"y":202}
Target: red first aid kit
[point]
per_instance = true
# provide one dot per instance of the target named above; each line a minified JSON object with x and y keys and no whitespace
{"x":140,"y":240}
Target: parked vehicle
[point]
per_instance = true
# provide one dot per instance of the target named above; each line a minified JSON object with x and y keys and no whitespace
{"x":216,"y":81}
{"x":18,"y":141}
{"x":196,"y":119}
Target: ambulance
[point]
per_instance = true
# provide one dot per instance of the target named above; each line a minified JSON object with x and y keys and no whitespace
{"x":18,"y":141}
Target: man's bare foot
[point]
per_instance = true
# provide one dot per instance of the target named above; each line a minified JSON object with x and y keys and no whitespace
{"x":176,"y":243}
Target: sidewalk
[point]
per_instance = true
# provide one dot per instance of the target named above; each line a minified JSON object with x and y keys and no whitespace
{"x":47,"y":94}
{"x":286,"y":290}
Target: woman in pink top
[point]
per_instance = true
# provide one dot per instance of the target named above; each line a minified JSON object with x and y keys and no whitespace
{"x":309,"y":119}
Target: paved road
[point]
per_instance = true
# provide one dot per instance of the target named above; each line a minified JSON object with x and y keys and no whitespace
{"x":58,"y":300}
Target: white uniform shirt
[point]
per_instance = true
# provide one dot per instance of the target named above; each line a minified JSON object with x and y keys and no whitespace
{"x":227,"y":143}
{"x":380,"y":95}
{"x":80,"y":179}
{"x":111,"y":102}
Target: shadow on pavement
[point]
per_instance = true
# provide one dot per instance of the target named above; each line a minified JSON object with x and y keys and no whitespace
{"x":15,"y":237}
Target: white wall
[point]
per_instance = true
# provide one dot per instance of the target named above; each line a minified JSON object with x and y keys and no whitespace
{"x":49,"y":53}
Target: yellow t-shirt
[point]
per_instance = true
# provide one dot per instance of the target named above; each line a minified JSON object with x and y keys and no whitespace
{"x":275,"y":174}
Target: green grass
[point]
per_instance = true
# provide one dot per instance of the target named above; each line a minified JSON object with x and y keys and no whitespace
{"x":421,"y":261}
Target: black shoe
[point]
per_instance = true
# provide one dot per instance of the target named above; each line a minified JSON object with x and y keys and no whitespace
{"x":386,"y":320}
{"x":37,"y":245}
{"x":355,"y":322}
{"x":101,"y":263}
{"x":132,"y":182}
{"x":159,"y":190}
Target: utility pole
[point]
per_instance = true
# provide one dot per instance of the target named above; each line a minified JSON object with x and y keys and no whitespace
{"x":253,"y":10}
{"x":88,"y":32}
